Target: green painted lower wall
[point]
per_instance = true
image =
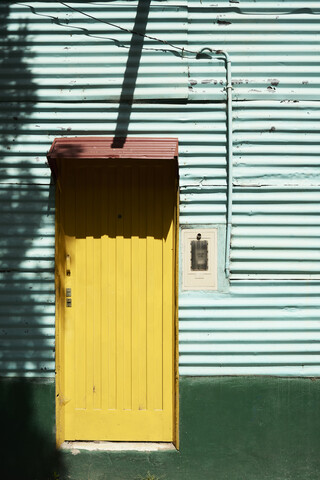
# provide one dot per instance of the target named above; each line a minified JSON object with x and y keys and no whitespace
{"x":231,"y":428}
{"x":27,"y":423}
{"x":255,"y":428}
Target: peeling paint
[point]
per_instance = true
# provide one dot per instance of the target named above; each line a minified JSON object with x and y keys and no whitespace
{"x":276,"y":176}
{"x":223,"y":22}
{"x":237,"y":82}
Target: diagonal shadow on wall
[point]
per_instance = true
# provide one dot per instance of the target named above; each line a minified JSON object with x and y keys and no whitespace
{"x":131,"y":73}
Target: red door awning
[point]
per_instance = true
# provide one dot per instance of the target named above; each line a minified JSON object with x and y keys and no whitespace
{"x":86,"y":148}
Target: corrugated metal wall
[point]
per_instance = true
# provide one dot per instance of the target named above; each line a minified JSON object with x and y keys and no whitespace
{"x":64,"y":72}
{"x":73,"y":52}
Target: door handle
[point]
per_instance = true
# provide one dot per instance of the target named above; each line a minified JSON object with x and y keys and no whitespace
{"x":68,"y":265}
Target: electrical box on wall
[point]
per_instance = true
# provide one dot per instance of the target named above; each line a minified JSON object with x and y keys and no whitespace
{"x":199,"y":266}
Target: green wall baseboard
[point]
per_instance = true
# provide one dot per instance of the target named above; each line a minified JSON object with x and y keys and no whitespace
{"x":231,"y":428}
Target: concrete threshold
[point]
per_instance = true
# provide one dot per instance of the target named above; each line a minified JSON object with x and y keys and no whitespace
{"x":76,"y":447}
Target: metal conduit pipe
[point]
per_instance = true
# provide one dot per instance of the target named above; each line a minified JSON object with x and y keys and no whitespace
{"x":229,"y":150}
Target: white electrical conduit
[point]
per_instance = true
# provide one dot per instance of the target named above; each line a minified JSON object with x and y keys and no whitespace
{"x":229,"y":150}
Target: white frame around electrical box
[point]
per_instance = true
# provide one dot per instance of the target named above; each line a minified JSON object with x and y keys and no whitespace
{"x":200,"y":280}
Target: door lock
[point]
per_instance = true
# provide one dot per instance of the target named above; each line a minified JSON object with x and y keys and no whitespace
{"x":68,"y":297}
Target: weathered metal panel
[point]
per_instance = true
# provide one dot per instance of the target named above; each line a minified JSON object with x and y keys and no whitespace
{"x":199,"y":128}
{"x":276,"y":231}
{"x":273,"y":225}
{"x":261,"y":327}
{"x":268,"y":321}
{"x":276,"y":143}
{"x":278,"y":195}
{"x":27,"y":312}
{"x":75,"y":51}
{"x":273,"y":46}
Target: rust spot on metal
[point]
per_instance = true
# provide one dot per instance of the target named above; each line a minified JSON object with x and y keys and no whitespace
{"x":272,"y":129}
{"x":305,"y":82}
{"x":271,"y":89}
{"x":193,"y":82}
{"x":237,"y":82}
{"x":275,"y":82}
{"x":223,"y":22}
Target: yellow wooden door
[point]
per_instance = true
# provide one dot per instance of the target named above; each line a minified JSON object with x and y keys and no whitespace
{"x":116,"y":307}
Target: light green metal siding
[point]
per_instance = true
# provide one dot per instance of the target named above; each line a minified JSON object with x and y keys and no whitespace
{"x":73,"y":52}
{"x":61,"y":80}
